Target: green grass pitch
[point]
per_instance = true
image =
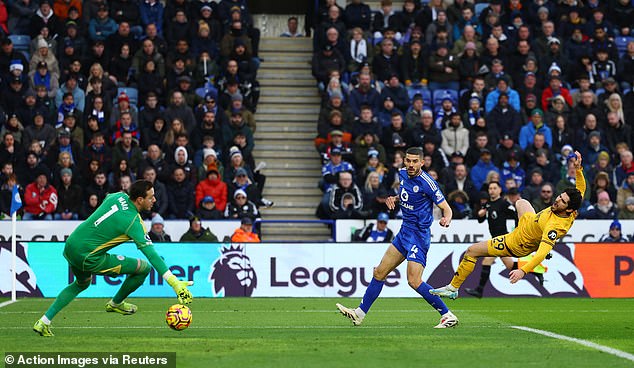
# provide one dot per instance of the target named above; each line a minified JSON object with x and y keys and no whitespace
{"x":303,"y":332}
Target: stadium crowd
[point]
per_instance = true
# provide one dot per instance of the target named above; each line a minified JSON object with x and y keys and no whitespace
{"x":501,"y":91}
{"x":97,"y":94}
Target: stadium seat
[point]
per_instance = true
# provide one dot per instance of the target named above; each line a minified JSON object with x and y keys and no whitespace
{"x":412,"y":91}
{"x":599,"y":91}
{"x":21,"y":43}
{"x":621,"y":44}
{"x":440,"y":94}
{"x":573,"y":91}
{"x":133,"y":94}
{"x":479,"y":8}
{"x":463,"y":91}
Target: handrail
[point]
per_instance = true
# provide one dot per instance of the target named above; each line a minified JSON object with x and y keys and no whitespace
{"x":332,"y":223}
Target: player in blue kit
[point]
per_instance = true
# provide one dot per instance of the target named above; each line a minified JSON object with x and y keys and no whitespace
{"x":418,"y":193}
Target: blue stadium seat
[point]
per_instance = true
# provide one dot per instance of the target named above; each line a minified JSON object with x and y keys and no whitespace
{"x":21,"y":43}
{"x":463,"y":91}
{"x":479,"y":8}
{"x":440,"y":94}
{"x":412,"y":91}
{"x":133,"y":94}
{"x":599,"y":91}
{"x":621,"y":44}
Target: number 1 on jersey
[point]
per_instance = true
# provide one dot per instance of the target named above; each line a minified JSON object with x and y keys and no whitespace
{"x":111,"y":211}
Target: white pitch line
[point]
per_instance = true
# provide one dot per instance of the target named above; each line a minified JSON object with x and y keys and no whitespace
{"x":4,"y":304}
{"x":239,"y":327}
{"x":603,"y":348}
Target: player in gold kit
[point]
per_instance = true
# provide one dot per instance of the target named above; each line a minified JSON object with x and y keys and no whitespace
{"x":536,"y":232}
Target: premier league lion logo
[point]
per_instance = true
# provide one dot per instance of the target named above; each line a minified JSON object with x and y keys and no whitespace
{"x":233,"y":273}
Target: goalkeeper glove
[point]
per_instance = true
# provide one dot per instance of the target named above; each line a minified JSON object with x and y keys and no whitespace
{"x":180,"y":288}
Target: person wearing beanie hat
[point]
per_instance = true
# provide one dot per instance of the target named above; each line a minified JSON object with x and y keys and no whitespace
{"x":157,"y":230}
{"x":614,"y":235}
{"x":197,"y":233}
{"x":241,"y":206}
{"x":604,"y":209}
{"x":214,"y":186}
{"x":627,"y":212}
{"x":69,"y":196}
{"x":535,"y":125}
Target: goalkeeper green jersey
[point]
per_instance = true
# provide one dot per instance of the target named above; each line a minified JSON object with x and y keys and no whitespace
{"x":114,"y":222}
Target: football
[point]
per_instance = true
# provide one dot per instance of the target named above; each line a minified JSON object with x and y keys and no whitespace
{"x":178,"y":317}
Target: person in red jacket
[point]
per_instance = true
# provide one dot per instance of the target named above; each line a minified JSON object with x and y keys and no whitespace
{"x":243,"y":234}
{"x":555,"y":88}
{"x":40,"y":199}
{"x":212,"y":186}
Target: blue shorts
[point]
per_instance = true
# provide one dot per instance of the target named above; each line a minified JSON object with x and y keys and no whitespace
{"x":413,"y":244}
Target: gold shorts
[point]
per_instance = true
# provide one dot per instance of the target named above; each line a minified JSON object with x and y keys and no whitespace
{"x":511,"y":244}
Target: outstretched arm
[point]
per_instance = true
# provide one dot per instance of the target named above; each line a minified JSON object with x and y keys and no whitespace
{"x":580,"y":181}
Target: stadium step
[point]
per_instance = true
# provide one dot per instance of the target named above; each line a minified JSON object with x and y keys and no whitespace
{"x":265,"y":136}
{"x":315,"y":232}
{"x":289,"y":99}
{"x":289,"y":91}
{"x":287,"y":124}
{"x":279,"y":80}
{"x":295,"y":118}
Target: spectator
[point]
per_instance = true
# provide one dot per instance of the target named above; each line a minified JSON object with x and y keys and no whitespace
{"x":241,"y":206}
{"x":345,"y":199}
{"x":545,"y":199}
{"x":592,"y":149}
{"x":460,"y":181}
{"x":39,"y":131}
{"x":331,"y":169}
{"x":207,"y":209}
{"x":180,"y":193}
{"x":375,"y":232}
{"x":212,"y":186}
{"x":157,"y":231}
{"x":443,"y":70}
{"x":614,"y":235}
{"x":40,"y":199}
{"x":90,"y":205}
{"x":151,"y":12}
{"x":197,"y":233}
{"x":101,"y":27}
{"x":506,"y":118}
{"x":292,"y":30}
{"x":160,"y":192}
{"x":126,"y":148}
{"x":603,"y":209}
{"x":492,"y":98}
{"x":625,"y":191}
{"x":70,"y":197}
{"x":627,"y":212}
{"x":455,"y":138}
{"x":534,"y":126}
{"x":459,"y":202}
{"x":364,"y":94}
{"x":245,"y":234}
{"x":623,"y":170}
{"x":481,"y":169}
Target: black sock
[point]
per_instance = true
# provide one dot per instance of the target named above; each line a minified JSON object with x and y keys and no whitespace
{"x":484,"y":277}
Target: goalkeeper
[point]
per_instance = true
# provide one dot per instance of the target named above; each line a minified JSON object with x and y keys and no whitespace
{"x":116,"y":221}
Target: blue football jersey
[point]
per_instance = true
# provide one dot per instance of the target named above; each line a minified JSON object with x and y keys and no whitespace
{"x":417,"y":196}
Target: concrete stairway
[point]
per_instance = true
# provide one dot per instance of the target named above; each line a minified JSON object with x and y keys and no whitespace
{"x":286,"y":126}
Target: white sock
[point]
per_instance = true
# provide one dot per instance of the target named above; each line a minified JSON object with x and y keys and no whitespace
{"x":447,"y":314}
{"x":451,"y":288}
{"x":112,"y":303}
{"x":45,"y":320}
{"x":359,"y":312}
